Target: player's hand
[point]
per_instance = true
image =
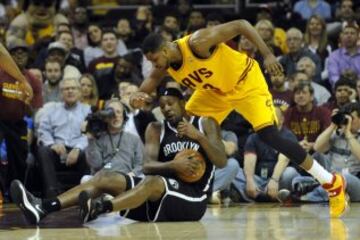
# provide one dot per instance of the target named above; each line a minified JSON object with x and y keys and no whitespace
{"x":252,"y":189}
{"x":272,"y":65}
{"x":72,"y":157}
{"x":186,"y":164}
{"x":27,"y":92}
{"x":272,"y":189}
{"x":139,"y":99}
{"x":185,"y":128}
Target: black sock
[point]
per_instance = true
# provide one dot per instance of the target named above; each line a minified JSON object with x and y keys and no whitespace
{"x":107,"y":206}
{"x":51,"y":205}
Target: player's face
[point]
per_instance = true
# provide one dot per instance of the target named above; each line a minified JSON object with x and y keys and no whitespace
{"x":158,"y":59}
{"x":172,"y":108}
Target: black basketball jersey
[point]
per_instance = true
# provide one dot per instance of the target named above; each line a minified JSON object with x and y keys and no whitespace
{"x":171,"y":144}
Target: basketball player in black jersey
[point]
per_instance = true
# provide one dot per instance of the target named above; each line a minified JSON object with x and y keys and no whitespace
{"x":160,"y":196}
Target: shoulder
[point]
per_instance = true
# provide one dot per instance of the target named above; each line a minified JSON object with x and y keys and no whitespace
{"x":154,"y":128}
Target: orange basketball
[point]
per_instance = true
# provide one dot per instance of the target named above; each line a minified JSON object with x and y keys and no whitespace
{"x":186,"y":176}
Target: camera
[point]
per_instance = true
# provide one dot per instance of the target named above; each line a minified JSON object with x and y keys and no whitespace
{"x":340,"y":117}
{"x":96,"y":121}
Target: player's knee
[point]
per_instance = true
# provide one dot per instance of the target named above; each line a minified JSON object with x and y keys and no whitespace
{"x":154,"y":184}
{"x":103,"y":176}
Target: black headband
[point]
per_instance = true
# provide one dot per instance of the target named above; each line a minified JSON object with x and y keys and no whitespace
{"x":172,"y":92}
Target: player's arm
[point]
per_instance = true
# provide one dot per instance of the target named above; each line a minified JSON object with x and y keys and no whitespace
{"x":210,"y":141}
{"x":203,"y":40}
{"x":139,"y":98}
{"x":152,"y":146}
{"x":9,"y":66}
{"x":151,"y":82}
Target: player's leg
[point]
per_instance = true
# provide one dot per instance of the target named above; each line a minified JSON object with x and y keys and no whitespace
{"x":257,"y":107}
{"x":152,"y":188}
{"x":35,"y":209}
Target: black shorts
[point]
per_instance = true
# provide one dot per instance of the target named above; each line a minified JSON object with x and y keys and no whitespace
{"x":180,"y":202}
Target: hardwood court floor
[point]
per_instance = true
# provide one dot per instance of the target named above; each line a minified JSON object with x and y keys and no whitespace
{"x":252,"y":221}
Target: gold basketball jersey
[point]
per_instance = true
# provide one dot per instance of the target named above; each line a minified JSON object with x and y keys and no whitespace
{"x":220,"y":72}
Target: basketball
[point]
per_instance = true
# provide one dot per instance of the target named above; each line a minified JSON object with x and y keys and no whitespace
{"x":186,"y":176}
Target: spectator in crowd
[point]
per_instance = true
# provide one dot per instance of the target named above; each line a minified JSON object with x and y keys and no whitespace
{"x":61,"y":143}
{"x":58,"y":51}
{"x":143,"y":23}
{"x":183,"y":9}
{"x":80,"y":23}
{"x":89,"y":92}
{"x":342,"y":94}
{"x":342,"y":145}
{"x":115,"y":149}
{"x":265,"y":13}
{"x":53,"y":74}
{"x":294,"y":39}
{"x":347,"y":57}
{"x":102,"y":67}
{"x":124,"y":70}
{"x":266,"y":30}
{"x":307,"y":8}
{"x":76,"y":55}
{"x":125,"y":36}
{"x":265,"y":171}
{"x":305,"y":119}
{"x":307,"y":66}
{"x":281,"y":95}
{"x":20,"y":92}
{"x":38,"y":21}
{"x":196,"y":21}
{"x":345,"y":15}
{"x":171,"y":23}
{"x":93,"y":50}
{"x":316,"y":40}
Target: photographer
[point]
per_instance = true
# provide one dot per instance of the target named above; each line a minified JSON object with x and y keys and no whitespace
{"x":113,"y":149}
{"x":342,"y":142}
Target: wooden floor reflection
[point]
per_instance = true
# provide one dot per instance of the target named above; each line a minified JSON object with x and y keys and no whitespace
{"x":255,"y":221}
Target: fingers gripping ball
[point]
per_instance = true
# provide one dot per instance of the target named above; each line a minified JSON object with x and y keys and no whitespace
{"x":200,"y":165}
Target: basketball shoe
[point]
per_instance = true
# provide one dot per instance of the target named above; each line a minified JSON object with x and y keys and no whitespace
{"x":31,"y":206}
{"x":337,"y":197}
{"x":90,"y":208}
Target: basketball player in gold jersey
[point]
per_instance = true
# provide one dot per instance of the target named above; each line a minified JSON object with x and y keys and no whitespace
{"x":224,"y":80}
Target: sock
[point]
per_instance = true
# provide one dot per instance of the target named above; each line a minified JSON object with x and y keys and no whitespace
{"x":318,"y":172}
{"x":107,"y":206}
{"x":51,"y":205}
